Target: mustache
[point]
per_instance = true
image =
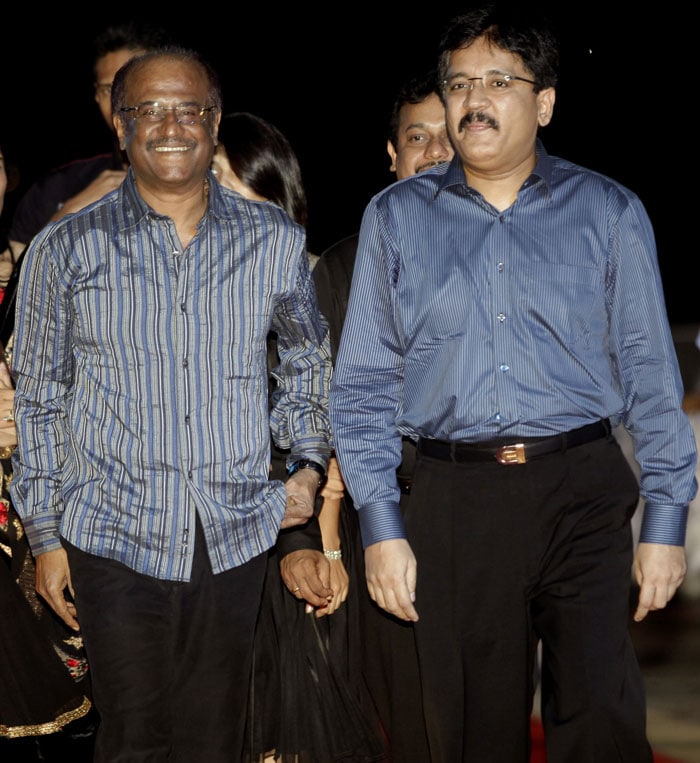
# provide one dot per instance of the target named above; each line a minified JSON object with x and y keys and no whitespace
{"x":427,"y":166}
{"x":477,"y":116}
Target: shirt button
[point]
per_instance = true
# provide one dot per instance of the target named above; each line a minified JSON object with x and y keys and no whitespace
{"x":504,"y":367}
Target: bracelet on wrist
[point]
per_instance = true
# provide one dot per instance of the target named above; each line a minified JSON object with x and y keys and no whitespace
{"x":334,"y":554}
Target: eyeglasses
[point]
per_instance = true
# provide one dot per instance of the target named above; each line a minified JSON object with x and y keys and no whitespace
{"x":154,"y":112}
{"x":495,"y":84}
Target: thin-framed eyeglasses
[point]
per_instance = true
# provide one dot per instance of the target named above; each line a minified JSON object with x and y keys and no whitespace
{"x":187,"y":114}
{"x":494,"y":83}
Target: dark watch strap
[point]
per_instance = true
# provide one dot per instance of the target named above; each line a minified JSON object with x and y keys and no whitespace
{"x":305,"y":463}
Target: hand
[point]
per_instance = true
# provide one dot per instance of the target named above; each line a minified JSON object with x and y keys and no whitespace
{"x":306,"y":573}
{"x":52,"y":580}
{"x":390,"y":568}
{"x":301,"y":490}
{"x":340,"y":584}
{"x":8,"y":429}
{"x":659,"y":570}
{"x":105,"y":182}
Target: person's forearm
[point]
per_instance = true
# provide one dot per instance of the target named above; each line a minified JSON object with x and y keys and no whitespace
{"x":300,"y":537}
{"x":329,"y":521}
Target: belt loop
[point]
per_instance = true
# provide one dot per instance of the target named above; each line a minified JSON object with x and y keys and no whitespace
{"x":453,"y":452}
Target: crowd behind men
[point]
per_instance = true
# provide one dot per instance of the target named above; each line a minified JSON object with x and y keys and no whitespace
{"x":396,"y":597}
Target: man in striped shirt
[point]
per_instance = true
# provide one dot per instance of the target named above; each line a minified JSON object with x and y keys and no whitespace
{"x":142,"y":472}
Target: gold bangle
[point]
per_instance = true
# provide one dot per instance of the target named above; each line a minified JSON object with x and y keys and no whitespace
{"x":6,"y":452}
{"x":335,"y":555}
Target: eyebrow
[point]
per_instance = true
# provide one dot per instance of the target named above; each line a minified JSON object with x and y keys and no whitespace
{"x":489,"y":71}
{"x":159,"y":102}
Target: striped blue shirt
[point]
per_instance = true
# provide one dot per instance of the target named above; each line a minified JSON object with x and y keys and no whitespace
{"x":466,"y":323}
{"x":141,"y":375}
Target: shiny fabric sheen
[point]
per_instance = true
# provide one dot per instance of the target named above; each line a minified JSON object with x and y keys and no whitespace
{"x":153,"y":403}
{"x":466,"y":323}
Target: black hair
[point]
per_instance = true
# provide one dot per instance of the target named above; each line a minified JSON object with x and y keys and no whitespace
{"x":414,"y":90}
{"x":129,"y":36}
{"x":518,"y":29}
{"x":263,"y":159}
{"x":185,"y":55}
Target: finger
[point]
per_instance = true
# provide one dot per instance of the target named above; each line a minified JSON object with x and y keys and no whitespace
{"x":5,"y":378}
{"x":308,"y":582}
{"x":644,"y":605}
{"x":389,"y":600}
{"x":65,"y":610}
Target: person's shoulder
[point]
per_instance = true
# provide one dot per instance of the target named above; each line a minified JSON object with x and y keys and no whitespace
{"x":593,"y":190}
{"x":423,"y":184}
{"x":235,"y":203}
{"x":64,"y":180}
{"x":336,"y":263}
{"x":79,"y":170}
{"x":341,"y":249}
{"x":565,"y":169}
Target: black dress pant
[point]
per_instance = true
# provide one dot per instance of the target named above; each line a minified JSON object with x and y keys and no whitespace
{"x":391,"y":660}
{"x":170,"y":662}
{"x":508,"y":555}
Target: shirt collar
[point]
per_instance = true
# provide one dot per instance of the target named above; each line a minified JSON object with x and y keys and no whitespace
{"x":543,"y":169}
{"x":139,"y":209}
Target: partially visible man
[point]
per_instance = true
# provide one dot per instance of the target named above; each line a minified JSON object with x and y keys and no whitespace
{"x":75,"y":185}
{"x":142,"y":473}
{"x":417,"y":141}
{"x":507,"y":309}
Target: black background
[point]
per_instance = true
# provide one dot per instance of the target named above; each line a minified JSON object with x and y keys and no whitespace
{"x":327,"y":74}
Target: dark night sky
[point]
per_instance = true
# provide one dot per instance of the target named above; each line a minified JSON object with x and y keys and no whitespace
{"x":327,"y":76}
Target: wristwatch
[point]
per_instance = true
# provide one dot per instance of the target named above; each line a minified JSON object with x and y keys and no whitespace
{"x":305,"y":463}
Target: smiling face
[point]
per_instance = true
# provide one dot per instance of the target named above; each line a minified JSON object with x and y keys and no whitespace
{"x":493,"y":118}
{"x":422,"y":140}
{"x":167,"y":136}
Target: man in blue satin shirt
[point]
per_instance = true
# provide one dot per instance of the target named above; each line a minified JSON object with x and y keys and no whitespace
{"x":506,"y":310}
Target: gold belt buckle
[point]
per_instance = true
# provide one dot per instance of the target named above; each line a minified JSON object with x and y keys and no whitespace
{"x":511,"y":454}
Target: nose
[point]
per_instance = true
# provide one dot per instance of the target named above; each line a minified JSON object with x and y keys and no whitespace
{"x":171,"y":114}
{"x":476,"y":92}
{"x":439,"y":148}
{"x":171,"y":122}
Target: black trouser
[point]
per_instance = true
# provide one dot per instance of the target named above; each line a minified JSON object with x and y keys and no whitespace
{"x":511,"y":554}
{"x":170,"y":662}
{"x":391,"y":659}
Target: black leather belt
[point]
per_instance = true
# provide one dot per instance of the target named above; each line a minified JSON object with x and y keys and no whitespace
{"x":507,"y":453}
